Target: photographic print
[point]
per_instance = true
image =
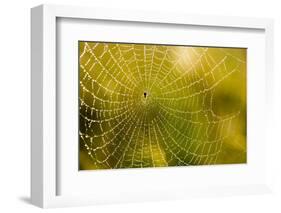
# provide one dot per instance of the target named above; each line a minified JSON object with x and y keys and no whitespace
{"x":155,"y":105}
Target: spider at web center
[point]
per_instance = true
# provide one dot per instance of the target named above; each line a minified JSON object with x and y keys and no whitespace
{"x":145,"y":97}
{"x":144,"y":94}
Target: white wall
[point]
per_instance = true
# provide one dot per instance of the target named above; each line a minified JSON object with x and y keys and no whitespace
{"x":15,"y":98}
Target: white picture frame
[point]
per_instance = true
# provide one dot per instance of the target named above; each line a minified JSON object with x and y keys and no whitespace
{"x":45,"y":171}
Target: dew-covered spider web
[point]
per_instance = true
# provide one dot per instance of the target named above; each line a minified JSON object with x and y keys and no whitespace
{"x":143,"y":105}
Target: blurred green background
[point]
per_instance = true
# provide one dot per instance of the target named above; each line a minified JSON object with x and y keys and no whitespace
{"x":145,"y":105}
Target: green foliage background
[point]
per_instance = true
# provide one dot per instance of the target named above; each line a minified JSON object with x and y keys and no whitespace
{"x":145,"y":105}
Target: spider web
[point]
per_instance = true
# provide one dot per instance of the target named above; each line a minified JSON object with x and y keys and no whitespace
{"x":153,"y":105}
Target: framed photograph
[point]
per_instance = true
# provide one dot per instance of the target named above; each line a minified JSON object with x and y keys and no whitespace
{"x":129,"y":106}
